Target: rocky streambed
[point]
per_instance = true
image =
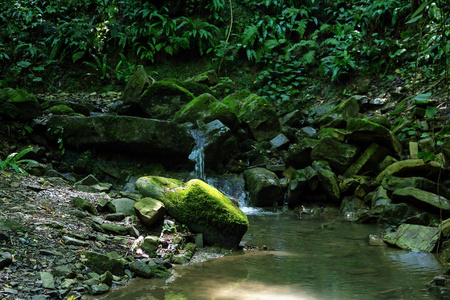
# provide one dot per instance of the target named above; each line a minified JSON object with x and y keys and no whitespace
{"x":378,"y":161}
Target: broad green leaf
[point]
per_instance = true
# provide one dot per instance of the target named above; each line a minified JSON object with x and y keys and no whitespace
{"x":23,"y":64}
{"x":77,"y":56}
{"x":422,"y":97}
{"x":415,"y":19}
{"x":431,"y":111}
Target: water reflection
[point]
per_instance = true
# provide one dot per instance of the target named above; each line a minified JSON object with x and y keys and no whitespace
{"x":304,"y":260}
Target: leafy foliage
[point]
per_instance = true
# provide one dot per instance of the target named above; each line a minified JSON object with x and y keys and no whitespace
{"x":15,"y":162}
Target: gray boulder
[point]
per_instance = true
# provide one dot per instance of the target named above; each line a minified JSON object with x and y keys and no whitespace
{"x":299,"y":154}
{"x":328,"y":181}
{"x":263,"y":187}
{"x":157,"y":140}
{"x":413,"y":237}
{"x":339,"y":114}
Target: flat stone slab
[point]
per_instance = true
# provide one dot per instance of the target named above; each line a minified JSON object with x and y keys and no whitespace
{"x":422,"y":199}
{"x":414,"y":237}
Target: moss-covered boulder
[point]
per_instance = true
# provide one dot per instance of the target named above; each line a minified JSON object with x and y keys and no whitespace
{"x":393,"y":183}
{"x":206,"y":210}
{"x":157,"y":140}
{"x":256,"y":112}
{"x":338,"y":155}
{"x":365,"y":131}
{"x":339,"y":114}
{"x":208,"y":78}
{"x":207,"y":108}
{"x":263,"y":187}
{"x":60,"y":109}
{"x":149,"y":211}
{"x":155,"y":186}
{"x":17,"y":104}
{"x":163,"y":99}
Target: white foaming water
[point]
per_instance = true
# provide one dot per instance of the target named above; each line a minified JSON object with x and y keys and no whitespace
{"x":198,"y":153}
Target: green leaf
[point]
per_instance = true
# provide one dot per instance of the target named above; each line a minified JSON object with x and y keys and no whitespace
{"x":415,"y":19}
{"x":422,"y":97}
{"x":77,"y":56}
{"x":431,"y":111}
{"x":23,"y":64}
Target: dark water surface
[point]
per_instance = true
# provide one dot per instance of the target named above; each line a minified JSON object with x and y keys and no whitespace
{"x":306,"y":259}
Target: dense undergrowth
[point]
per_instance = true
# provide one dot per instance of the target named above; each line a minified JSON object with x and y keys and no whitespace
{"x":283,"y":47}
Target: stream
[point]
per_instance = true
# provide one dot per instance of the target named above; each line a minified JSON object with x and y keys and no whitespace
{"x":306,"y":258}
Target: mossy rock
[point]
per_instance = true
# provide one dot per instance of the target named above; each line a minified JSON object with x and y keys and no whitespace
{"x":60,"y":109}
{"x":163,"y":98}
{"x":365,"y":131}
{"x":155,"y":186}
{"x":338,"y":155}
{"x":100,"y":263}
{"x":207,"y":108}
{"x":149,"y":210}
{"x":339,"y":114}
{"x":17,"y":104}
{"x":235,"y":100}
{"x":209,"y":78}
{"x":136,"y":85}
{"x":206,"y":210}
{"x":260,"y":116}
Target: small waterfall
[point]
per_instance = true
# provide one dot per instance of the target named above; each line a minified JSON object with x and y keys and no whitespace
{"x":198,"y":153}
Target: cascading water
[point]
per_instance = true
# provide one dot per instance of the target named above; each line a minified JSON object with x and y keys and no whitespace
{"x":198,"y":153}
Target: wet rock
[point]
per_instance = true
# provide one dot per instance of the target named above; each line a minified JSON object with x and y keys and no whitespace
{"x":101,"y":263}
{"x":445,"y":227}
{"x":48,"y":282}
{"x":219,"y":145}
{"x":375,"y":240}
{"x":338,"y":115}
{"x":365,"y":131}
{"x":263,"y":187}
{"x":351,"y":206}
{"x":207,"y":109}
{"x":294,"y":119}
{"x":368,"y":162}
{"x":338,"y":155}
{"x":84,"y":205}
{"x":156,"y":139}
{"x":149,"y":210}
{"x":414,"y":237}
{"x":335,"y":133}
{"x":206,"y":210}
{"x":5,"y":259}
{"x":412,"y":168}
{"x":422,"y":199}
